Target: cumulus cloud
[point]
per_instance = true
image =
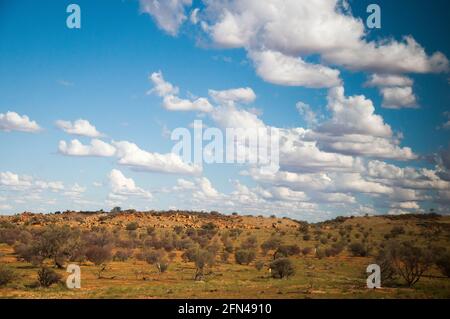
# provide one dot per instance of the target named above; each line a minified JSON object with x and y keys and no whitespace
{"x":174,"y":103}
{"x":14,"y":180}
{"x":277,"y":68}
{"x":129,"y":154}
{"x":386,"y":80}
{"x":171,"y":100}
{"x":398,"y":97}
{"x":96,"y":148}
{"x":229,"y":116}
{"x":75,"y":192}
{"x":244,"y":95}
{"x":307,"y":113}
{"x":355,"y":129}
{"x":122,"y":186}
{"x":169,"y":15}
{"x":11,"y":121}
{"x":79,"y":127}
{"x":280,"y":35}
{"x":396,"y":90}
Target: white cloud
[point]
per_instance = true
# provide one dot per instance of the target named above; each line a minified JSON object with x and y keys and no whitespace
{"x":14,"y":180}
{"x":355,"y":129}
{"x":398,"y":97}
{"x":284,"y":32}
{"x":53,"y":186}
{"x":171,"y":100}
{"x":244,"y":95}
{"x":96,"y":148}
{"x":131,"y":155}
{"x":277,"y":68}
{"x":307,"y":113}
{"x":169,"y":14}
{"x":161,"y":86}
{"x":174,"y":103}
{"x":383,"y":80}
{"x":123,"y":186}
{"x":11,"y":121}
{"x":76,"y":191}
{"x":79,"y":127}
{"x":353,"y":115}
{"x":229,"y":116}
{"x":396,"y":90}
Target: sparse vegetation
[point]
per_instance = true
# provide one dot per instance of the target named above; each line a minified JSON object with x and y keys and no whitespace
{"x":231,"y":255}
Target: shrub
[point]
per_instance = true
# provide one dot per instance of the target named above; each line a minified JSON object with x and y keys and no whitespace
{"x":270,"y":244}
{"x":122,"y":255}
{"x":443,"y":263}
{"x":307,"y":251}
{"x":282,"y":268}
{"x":286,"y":251}
{"x":132,"y":226}
{"x":250,"y":242}
{"x":386,"y":262}
{"x":48,"y":277}
{"x":6,"y":275}
{"x":157,"y":258}
{"x":409,"y":261}
{"x":29,"y":253}
{"x":202,"y":259}
{"x":100,"y":256}
{"x":307,"y":237}
{"x":397,"y":230}
{"x":259,"y":265}
{"x":358,"y":250}
{"x":244,"y":256}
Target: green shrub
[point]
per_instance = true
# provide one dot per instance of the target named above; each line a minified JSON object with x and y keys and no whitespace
{"x":244,"y":256}
{"x":358,"y":250}
{"x":282,"y":268}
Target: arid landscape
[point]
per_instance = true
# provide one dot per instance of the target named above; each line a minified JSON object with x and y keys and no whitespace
{"x":176,"y":254}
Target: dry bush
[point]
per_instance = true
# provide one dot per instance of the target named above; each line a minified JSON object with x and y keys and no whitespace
{"x":48,"y":277}
{"x":7,"y":275}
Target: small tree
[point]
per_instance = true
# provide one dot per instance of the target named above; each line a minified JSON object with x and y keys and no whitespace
{"x":100,"y":256}
{"x":6,"y":275}
{"x":202,"y":259}
{"x":157,"y":258}
{"x":270,"y":244}
{"x":244,"y":256}
{"x":48,"y":277}
{"x":282,"y":268}
{"x":409,"y":261}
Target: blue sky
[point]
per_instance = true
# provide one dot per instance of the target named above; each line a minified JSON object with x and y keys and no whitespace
{"x":100,"y":74}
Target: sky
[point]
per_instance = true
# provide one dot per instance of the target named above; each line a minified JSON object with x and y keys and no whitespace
{"x":86,"y":114}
